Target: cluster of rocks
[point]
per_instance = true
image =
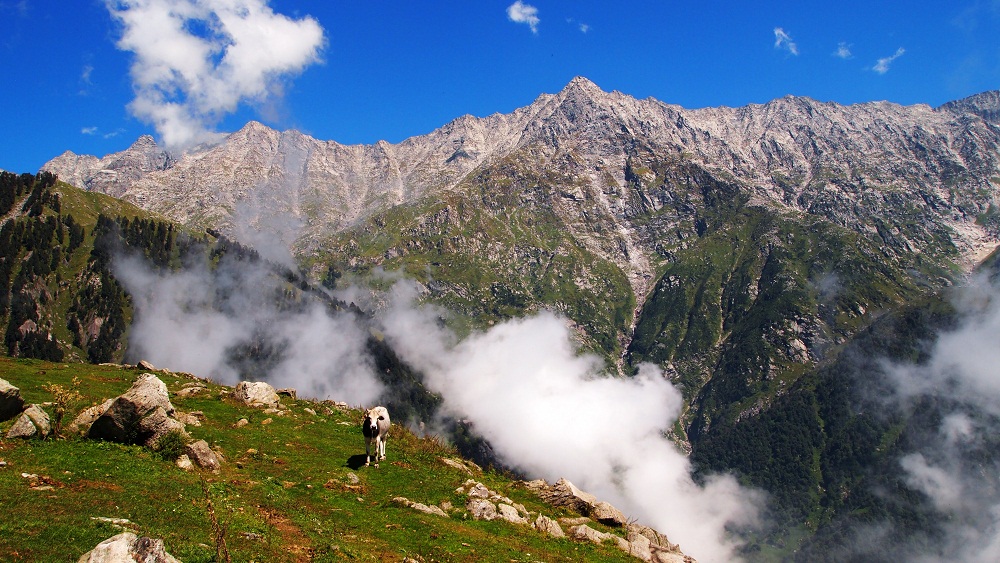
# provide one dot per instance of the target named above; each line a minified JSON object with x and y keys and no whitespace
{"x":638,"y":540}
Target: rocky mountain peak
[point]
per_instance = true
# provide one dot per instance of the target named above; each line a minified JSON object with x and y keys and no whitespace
{"x":793,"y":153}
{"x":985,"y":105}
{"x":580,"y":86}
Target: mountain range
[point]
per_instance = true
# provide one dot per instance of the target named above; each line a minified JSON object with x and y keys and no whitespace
{"x":764,"y":257}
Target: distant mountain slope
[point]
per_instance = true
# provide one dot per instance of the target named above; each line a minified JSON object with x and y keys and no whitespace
{"x":742,"y":250}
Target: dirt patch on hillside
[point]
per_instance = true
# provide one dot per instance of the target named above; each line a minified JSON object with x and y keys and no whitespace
{"x":292,"y":537}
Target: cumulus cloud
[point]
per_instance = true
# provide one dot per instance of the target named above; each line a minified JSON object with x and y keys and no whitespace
{"x":784,"y":41}
{"x":196,"y":60}
{"x":883,"y":64}
{"x":547,"y":410}
{"x":520,"y":12}
{"x":843,"y":50}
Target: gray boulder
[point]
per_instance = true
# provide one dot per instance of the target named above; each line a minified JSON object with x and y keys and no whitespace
{"x":481,"y":509}
{"x":549,"y":526}
{"x":127,"y":547}
{"x":83,"y":421}
{"x":202,"y":455}
{"x":607,"y":514}
{"x":33,"y":422}
{"x":11,"y":403}
{"x":141,"y":415}
{"x":256,"y":394}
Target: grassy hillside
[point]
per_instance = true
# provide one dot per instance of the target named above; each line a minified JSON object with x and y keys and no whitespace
{"x":291,"y":488}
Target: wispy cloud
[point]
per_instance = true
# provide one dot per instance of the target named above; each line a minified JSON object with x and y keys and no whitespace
{"x":882,"y":66}
{"x":89,"y":130}
{"x":85,"y":80}
{"x":784,"y":41}
{"x":197,"y":60}
{"x":584,"y":28}
{"x":520,"y":12}
{"x":843,"y":50}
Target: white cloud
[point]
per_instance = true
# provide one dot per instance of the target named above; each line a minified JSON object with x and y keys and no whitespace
{"x":882,"y":66}
{"x":524,"y":13}
{"x":784,"y":41}
{"x":584,"y":28}
{"x":949,"y":467}
{"x":197,"y":60}
{"x":192,"y":320}
{"x":549,"y":411}
{"x":843,"y":50}
{"x":89,"y":130}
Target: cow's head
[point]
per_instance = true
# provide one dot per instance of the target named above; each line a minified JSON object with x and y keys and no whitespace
{"x":371,"y":421}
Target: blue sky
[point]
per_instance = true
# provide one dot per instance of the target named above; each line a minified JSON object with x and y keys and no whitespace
{"x":82,"y":78}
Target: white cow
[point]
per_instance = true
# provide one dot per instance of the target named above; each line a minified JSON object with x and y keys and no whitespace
{"x":375,"y":427}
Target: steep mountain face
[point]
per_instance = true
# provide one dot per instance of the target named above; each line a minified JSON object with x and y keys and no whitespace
{"x":845,"y":163}
{"x":740,"y":249}
{"x":610,"y":172}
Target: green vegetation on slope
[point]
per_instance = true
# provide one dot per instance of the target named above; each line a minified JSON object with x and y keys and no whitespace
{"x":287,"y":491}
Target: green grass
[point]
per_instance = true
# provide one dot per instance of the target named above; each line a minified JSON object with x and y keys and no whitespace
{"x":284,"y":493}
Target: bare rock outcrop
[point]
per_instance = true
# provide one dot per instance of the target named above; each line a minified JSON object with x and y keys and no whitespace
{"x":11,"y":403}
{"x":640,"y":541}
{"x":141,"y":415}
{"x":127,"y":547}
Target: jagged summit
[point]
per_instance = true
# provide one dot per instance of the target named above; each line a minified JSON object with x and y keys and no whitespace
{"x":581,"y":85}
{"x":793,"y":152}
{"x":985,"y":105}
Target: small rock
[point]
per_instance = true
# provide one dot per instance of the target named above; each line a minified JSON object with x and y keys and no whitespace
{"x":189,"y":392}
{"x":419,"y":507}
{"x":266,"y":421}
{"x":481,"y":509}
{"x":510,"y":514}
{"x":184,"y":462}
{"x":143,"y":364}
{"x":586,"y":533}
{"x":202,"y":455}
{"x":32,"y":422}
{"x":549,"y":526}
{"x":242,"y":422}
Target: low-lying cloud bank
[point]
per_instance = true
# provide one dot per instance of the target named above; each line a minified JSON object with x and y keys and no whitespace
{"x":545,"y":408}
{"x":548,"y":411}
{"x":956,"y":466}
{"x":208,"y":321}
